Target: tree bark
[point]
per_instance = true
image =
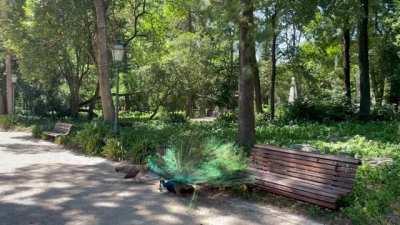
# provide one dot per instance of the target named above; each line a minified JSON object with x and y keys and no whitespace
{"x":189,"y":105}
{"x":74,"y":97}
{"x":9,"y":85}
{"x":257,"y":82}
{"x":346,"y":64}
{"x":103,"y":63}
{"x":92,"y":104}
{"x":365,"y":91}
{"x":246,"y":79}
{"x":273,"y":65}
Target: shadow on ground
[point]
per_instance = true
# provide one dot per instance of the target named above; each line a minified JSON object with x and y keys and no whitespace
{"x":52,"y":186}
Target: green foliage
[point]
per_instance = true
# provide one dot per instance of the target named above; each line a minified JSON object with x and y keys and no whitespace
{"x":385,"y":113}
{"x":226,"y":118}
{"x":93,"y":137}
{"x":113,"y":150}
{"x":375,"y":191}
{"x":37,"y":131}
{"x":319,"y":110}
{"x":209,"y":162}
{"x":175,"y":117}
{"x":7,"y":122}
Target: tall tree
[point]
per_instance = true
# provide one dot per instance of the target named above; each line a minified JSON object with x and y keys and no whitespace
{"x":103,"y":61}
{"x":246,"y":79}
{"x":273,"y":60}
{"x":257,"y":82}
{"x":347,"y":63}
{"x":365,"y":92}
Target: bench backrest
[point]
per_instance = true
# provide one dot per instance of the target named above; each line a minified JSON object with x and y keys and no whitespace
{"x":62,"y":128}
{"x":329,"y":170}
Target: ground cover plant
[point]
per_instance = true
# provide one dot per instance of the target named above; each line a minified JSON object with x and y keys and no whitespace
{"x":376,"y":143}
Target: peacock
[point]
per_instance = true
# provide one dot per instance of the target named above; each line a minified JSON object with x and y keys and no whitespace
{"x":176,"y":187}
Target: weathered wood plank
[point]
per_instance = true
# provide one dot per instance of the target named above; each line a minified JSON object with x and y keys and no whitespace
{"x":294,"y":190}
{"x":307,"y":176}
{"x":316,"y":185}
{"x":264,"y":152}
{"x":331,"y":157}
{"x":277,"y":162}
{"x":310,"y":177}
{"x":297,"y":197}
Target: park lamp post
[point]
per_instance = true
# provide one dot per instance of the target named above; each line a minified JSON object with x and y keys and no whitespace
{"x":14,"y":80}
{"x":118,"y":52}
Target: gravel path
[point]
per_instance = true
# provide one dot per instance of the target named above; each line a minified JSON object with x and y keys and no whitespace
{"x":44,"y":184}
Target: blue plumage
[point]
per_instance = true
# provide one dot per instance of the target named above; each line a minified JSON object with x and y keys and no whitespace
{"x":169,"y":185}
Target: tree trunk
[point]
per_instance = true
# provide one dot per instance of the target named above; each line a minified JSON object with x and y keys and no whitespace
{"x":189,"y":105}
{"x":102,"y":62}
{"x":92,"y":104}
{"x":74,"y":97}
{"x":346,"y":64}
{"x":246,"y":79}
{"x":9,"y":85}
{"x":365,"y":91}
{"x":273,"y":64}
{"x":257,"y":82}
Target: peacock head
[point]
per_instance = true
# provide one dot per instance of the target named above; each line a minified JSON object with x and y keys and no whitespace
{"x":162,"y":183}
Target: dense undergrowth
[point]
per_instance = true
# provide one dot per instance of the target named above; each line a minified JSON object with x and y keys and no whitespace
{"x":377,"y":190}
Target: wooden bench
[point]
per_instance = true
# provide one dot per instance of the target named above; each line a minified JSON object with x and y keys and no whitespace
{"x":309,"y":177}
{"x":60,"y":129}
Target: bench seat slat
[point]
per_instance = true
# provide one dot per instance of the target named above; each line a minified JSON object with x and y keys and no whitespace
{"x":296,"y":196}
{"x":298,"y":190}
{"x":310,"y":177}
{"x":60,"y":129}
{"x":316,"y":185}
{"x":313,"y":177}
{"x":276,"y":162}
{"x":288,"y":182}
{"x":331,"y":157}
{"x":52,"y":134}
{"x":336,"y":168}
{"x":304,"y":159}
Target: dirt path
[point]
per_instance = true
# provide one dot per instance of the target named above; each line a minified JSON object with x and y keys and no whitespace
{"x":44,"y":184}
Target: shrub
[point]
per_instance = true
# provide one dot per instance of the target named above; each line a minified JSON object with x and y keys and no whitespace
{"x":114,"y":150}
{"x":228,"y":117}
{"x":384,"y":113}
{"x":263,"y":117}
{"x":7,"y":122}
{"x":93,"y":137}
{"x":175,"y":117}
{"x":37,"y":131}
{"x":319,"y":110}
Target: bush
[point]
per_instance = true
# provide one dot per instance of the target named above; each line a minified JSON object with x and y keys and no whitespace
{"x":228,"y":117}
{"x":114,"y":150}
{"x":175,"y":117}
{"x":93,"y":137}
{"x":263,"y":117}
{"x":37,"y":131}
{"x":7,"y":122}
{"x":319,"y":110}
{"x":384,"y":113}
